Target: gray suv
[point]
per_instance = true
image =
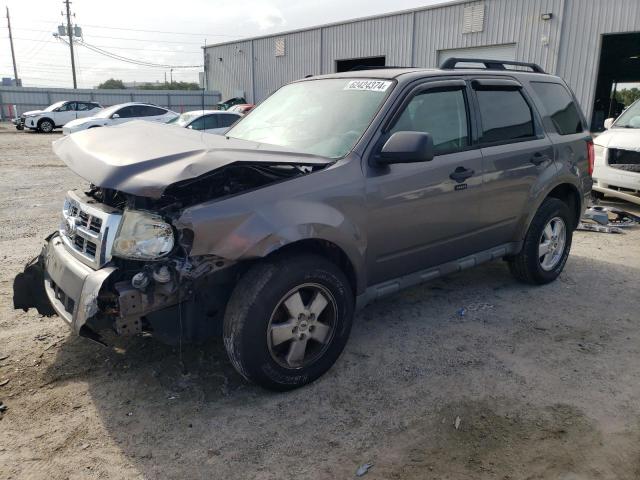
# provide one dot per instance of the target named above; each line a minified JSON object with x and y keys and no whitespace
{"x":335,"y":191}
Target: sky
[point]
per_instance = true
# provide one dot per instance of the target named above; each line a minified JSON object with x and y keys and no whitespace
{"x":160,"y":32}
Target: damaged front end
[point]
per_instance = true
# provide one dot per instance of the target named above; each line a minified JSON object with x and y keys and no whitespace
{"x":121,"y":262}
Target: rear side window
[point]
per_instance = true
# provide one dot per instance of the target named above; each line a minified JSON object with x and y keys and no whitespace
{"x":443,"y":114}
{"x":148,"y":111}
{"x":559,"y":106}
{"x":226,"y":120}
{"x":505,"y":114}
{"x":210,"y":122}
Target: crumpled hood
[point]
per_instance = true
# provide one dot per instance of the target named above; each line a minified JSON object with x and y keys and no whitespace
{"x":620,"y":138}
{"x":143,"y":158}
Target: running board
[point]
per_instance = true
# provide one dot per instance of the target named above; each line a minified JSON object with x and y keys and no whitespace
{"x":397,"y":284}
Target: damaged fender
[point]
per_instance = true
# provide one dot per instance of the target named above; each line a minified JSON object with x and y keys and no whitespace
{"x":243,"y":227}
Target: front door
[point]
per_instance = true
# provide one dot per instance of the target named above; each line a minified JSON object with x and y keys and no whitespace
{"x":425,"y":214}
{"x":65,"y":113}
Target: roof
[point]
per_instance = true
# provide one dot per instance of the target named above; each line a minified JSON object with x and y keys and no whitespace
{"x":207,"y":112}
{"x":343,"y":22}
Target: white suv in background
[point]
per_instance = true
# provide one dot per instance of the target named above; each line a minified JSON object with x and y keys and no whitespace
{"x":56,"y":115}
{"x":117,"y":114}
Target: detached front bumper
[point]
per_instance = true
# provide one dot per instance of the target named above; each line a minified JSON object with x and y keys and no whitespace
{"x":70,"y":285}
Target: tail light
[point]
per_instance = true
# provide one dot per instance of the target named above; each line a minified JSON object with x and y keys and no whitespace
{"x":591,"y":156}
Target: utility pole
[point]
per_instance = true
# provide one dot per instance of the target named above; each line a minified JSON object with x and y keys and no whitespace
{"x":171,"y":74}
{"x":70,"y":35}
{"x":13,"y":54}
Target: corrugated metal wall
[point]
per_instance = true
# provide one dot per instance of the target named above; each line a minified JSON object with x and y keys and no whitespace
{"x":584,"y":23}
{"x":26,"y":99}
{"x":568,"y":44}
{"x":389,"y":36}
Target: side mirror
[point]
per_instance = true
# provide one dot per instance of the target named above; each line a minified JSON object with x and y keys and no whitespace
{"x":608,"y":123}
{"x":115,"y":115}
{"x":190,"y":126}
{"x":407,"y":147}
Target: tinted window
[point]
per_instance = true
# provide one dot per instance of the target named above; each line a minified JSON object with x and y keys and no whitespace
{"x":147,"y":111}
{"x":506,"y":115}
{"x":226,"y":120}
{"x":67,"y":107}
{"x":559,"y":106}
{"x":83,"y":107}
{"x":197,"y":124}
{"x":443,"y":114}
{"x":210,"y":121}
{"x":126,"y":112}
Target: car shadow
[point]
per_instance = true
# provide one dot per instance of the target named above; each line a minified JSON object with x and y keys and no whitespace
{"x":185,"y":413}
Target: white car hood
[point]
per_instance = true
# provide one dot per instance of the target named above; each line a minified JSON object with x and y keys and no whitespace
{"x":82,"y":121}
{"x":620,"y":138}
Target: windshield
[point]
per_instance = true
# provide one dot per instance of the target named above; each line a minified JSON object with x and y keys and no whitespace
{"x":51,"y":108}
{"x":630,"y":118}
{"x":184,"y":119}
{"x":320,"y":117}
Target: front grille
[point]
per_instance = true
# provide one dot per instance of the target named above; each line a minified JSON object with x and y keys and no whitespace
{"x":624,"y":160}
{"x":88,"y":230}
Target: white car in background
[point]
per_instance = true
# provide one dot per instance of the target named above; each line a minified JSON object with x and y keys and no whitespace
{"x":56,"y":115}
{"x":117,"y":114}
{"x":616,"y":170}
{"x":208,"y":121}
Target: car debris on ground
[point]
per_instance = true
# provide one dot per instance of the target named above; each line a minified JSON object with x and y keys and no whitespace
{"x":607,"y":220}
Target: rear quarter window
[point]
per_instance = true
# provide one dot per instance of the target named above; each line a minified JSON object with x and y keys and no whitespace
{"x":559,"y":106}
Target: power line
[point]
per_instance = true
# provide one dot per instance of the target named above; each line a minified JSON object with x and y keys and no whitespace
{"x":132,"y":60}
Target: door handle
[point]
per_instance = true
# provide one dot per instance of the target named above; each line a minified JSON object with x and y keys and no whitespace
{"x":539,"y":158}
{"x":460,"y":174}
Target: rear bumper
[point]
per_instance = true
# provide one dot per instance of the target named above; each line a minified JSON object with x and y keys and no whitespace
{"x":71,"y":286}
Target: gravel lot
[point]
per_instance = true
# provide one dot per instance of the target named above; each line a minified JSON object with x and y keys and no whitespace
{"x":545,"y":381}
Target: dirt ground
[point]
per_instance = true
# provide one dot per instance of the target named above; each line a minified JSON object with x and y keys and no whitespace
{"x":543,"y":383}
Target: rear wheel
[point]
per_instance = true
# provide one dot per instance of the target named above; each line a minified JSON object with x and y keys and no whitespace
{"x":546,"y":245}
{"x":288,"y":320}
{"x":45,"y":125}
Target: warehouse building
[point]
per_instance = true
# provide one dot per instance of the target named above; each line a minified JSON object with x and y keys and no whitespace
{"x":593,"y":44}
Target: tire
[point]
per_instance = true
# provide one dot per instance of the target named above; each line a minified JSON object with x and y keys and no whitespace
{"x":46,"y":126}
{"x":259,"y":320}
{"x":529,"y":266}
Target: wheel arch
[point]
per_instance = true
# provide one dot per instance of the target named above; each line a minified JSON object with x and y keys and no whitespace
{"x":40,"y":120}
{"x":325,"y":249}
{"x":565,"y":191}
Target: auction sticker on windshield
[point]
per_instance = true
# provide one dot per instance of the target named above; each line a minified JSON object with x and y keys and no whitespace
{"x":370,"y":85}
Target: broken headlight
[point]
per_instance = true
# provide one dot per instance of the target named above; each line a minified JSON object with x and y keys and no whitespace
{"x":143,"y":236}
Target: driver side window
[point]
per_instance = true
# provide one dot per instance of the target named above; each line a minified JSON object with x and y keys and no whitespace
{"x":441,"y":113}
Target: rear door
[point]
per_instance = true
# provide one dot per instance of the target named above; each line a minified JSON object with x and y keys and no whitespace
{"x":516,"y":154}
{"x":425,"y":214}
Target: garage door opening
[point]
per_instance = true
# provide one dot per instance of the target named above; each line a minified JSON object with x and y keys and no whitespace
{"x":619,"y":70}
{"x":359,"y":63}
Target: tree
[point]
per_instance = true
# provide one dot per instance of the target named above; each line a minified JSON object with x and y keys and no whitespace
{"x":627,"y":95}
{"x":171,"y":86}
{"x":112,"y":83}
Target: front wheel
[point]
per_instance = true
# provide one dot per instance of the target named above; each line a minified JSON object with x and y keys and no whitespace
{"x":288,"y":320}
{"x":46,"y":126}
{"x":546,"y":245}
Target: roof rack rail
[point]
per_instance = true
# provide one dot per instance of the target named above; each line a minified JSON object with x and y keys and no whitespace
{"x":451,"y":63}
{"x":372,"y":67}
